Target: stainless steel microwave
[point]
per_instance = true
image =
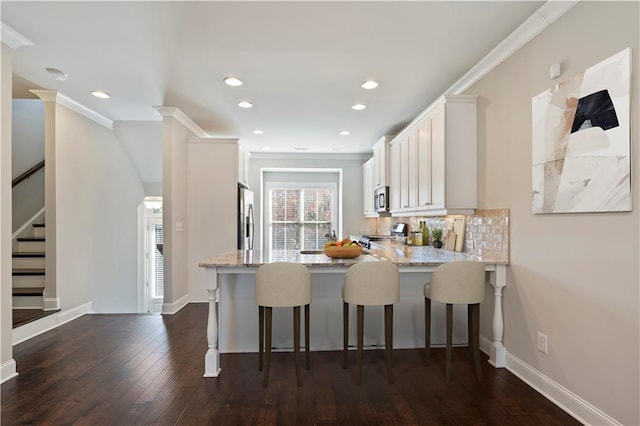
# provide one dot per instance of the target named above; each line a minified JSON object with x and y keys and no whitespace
{"x":381,"y":199}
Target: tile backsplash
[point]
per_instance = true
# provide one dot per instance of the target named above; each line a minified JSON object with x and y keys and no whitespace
{"x":486,"y":232}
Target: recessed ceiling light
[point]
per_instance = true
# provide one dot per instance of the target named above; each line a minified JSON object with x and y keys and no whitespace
{"x":266,"y":148}
{"x":369,"y":84}
{"x":258,"y":132}
{"x":100,"y":94}
{"x":301,"y":148}
{"x":57,"y":74}
{"x":233,"y":81}
{"x":245,"y":104}
{"x":344,"y":133}
{"x":359,"y":107}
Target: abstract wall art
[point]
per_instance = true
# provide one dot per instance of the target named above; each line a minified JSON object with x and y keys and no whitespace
{"x":581,"y":141}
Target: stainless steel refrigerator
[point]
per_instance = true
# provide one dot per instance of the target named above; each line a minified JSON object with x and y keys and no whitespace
{"x":245,"y":219}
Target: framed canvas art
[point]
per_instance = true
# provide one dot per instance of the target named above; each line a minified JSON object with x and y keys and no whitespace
{"x":581,"y":141}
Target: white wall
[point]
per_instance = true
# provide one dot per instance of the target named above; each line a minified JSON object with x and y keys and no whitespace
{"x":7,"y":364}
{"x":98,"y":193}
{"x":573,"y":277}
{"x":27,"y":150}
{"x":353,"y":220}
{"x":142,"y":141}
{"x":212,"y":194}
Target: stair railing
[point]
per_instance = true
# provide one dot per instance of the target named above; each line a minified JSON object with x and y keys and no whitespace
{"x":26,"y":175}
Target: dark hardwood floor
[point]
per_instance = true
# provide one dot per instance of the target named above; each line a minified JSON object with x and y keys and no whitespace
{"x":24,"y":316}
{"x":143,"y":369}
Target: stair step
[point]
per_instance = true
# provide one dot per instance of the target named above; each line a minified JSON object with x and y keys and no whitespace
{"x":28,"y":291}
{"x":31,"y":244}
{"x":28,"y":260}
{"x":28,"y":254}
{"x":38,"y":230}
{"x":23,"y":272}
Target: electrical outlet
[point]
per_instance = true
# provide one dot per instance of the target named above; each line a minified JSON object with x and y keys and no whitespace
{"x":542,"y":342}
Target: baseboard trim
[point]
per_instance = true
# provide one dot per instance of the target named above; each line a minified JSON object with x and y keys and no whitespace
{"x":568,"y":401}
{"x":8,"y":370}
{"x":35,"y":328}
{"x":172,"y":308}
{"x":51,"y":304}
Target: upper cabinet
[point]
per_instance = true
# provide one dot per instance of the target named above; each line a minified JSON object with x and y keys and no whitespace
{"x":243,"y":165}
{"x":381,"y":162}
{"x":434,"y":171}
{"x":367,"y":189}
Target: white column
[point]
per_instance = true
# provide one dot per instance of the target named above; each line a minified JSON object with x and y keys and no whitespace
{"x":212,"y":357}
{"x":497,"y":353}
{"x":11,"y":40}
{"x":49,"y":97}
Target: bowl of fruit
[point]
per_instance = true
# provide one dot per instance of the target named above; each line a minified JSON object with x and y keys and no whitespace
{"x":342,"y":249}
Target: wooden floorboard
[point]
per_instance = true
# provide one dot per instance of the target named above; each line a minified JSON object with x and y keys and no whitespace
{"x":147,"y":369}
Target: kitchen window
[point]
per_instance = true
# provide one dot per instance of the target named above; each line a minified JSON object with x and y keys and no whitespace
{"x":300,"y":214}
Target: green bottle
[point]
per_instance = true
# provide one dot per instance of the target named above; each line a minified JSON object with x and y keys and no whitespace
{"x":425,"y":233}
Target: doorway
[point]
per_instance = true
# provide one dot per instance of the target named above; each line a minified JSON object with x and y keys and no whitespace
{"x":153,"y":262}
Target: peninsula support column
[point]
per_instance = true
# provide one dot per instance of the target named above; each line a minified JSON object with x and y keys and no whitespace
{"x":212,"y":357}
{"x":497,"y":352}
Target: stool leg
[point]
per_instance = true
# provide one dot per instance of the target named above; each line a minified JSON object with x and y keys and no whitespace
{"x":260,"y":336}
{"x":388,"y":339}
{"x":470,"y":332}
{"x":427,"y":330}
{"x":267,"y":360}
{"x":360,"y":342}
{"x":296,"y":342}
{"x":449,"y":338}
{"x":345,"y":333}
{"x":476,"y":339}
{"x":306,"y":334}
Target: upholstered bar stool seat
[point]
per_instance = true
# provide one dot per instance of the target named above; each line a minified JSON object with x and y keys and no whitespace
{"x":370,"y":284}
{"x":460,"y":282}
{"x":282,"y":284}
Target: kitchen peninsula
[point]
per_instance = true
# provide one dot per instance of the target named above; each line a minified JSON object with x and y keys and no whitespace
{"x":232,"y":321}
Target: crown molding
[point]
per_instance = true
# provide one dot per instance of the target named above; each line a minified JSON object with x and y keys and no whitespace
{"x":65,"y":101}
{"x":12,"y":38}
{"x":183,"y":119}
{"x":542,"y":18}
{"x":308,"y":156}
{"x":46,"y":95}
{"x":219,"y":141}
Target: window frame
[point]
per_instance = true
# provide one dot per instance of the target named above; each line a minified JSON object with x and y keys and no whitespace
{"x":269,"y":187}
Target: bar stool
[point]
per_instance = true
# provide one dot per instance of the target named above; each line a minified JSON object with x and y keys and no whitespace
{"x":460,"y":282}
{"x":370,"y":284}
{"x":282,"y":284}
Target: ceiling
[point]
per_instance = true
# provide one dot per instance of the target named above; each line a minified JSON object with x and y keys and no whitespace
{"x":302,"y":63}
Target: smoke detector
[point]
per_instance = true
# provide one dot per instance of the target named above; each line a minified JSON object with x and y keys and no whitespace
{"x":57,"y":74}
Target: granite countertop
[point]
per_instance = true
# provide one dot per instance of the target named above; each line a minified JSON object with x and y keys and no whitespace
{"x":399,"y":254}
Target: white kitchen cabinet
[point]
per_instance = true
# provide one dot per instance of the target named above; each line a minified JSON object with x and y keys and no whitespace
{"x":381,"y":162}
{"x":437,"y":165}
{"x":394,"y":177}
{"x":367,"y":189}
{"x":243,"y":165}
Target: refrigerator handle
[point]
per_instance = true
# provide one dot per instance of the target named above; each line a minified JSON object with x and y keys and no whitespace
{"x":250,"y":223}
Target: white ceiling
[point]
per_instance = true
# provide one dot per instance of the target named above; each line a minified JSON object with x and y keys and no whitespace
{"x":302,"y":62}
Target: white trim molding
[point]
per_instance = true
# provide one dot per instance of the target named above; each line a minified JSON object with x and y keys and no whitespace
{"x":174,"y":307}
{"x":65,"y":101}
{"x":51,"y":303}
{"x":35,"y":328}
{"x":8,"y":370}
{"x":12,"y":38}
{"x":183,"y":119}
{"x":574,"y":405}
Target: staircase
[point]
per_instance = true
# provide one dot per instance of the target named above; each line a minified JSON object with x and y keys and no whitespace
{"x":28,"y":270}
